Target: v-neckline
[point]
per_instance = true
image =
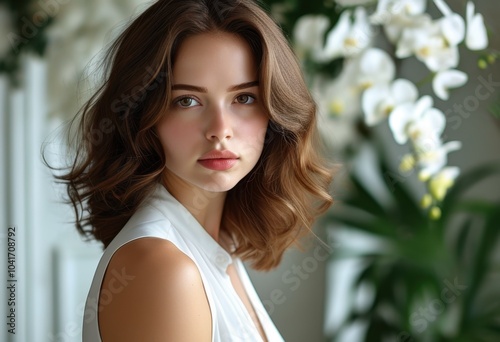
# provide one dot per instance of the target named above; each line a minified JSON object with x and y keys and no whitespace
{"x":237,"y":267}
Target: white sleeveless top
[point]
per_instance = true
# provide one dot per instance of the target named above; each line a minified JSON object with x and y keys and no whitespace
{"x":162,"y":216}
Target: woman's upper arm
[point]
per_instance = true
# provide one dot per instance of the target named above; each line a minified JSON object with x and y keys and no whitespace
{"x":162,"y":298}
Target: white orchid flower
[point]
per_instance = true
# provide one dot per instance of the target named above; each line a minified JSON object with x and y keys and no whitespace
{"x":387,"y":10}
{"x":447,"y":79}
{"x":397,"y":15}
{"x":477,"y":37}
{"x":443,"y":7}
{"x":308,"y":34}
{"x":338,"y":106}
{"x":348,"y":37}
{"x":435,"y":44}
{"x":340,"y":98}
{"x":442,"y":182}
{"x":379,"y":100}
{"x":432,"y":160}
{"x":453,"y":28}
{"x":335,"y":38}
{"x":416,"y":120}
{"x":408,"y":163}
{"x":410,"y":39}
{"x":375,"y":67}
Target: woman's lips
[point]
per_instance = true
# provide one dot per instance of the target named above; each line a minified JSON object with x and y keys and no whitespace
{"x":218,"y":160}
{"x":220,"y":164}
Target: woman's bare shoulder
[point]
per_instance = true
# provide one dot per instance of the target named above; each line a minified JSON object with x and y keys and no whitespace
{"x":152,"y":291}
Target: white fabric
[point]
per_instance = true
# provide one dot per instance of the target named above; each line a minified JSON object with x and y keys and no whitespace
{"x":162,"y":216}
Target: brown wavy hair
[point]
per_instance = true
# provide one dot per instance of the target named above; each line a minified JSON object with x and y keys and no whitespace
{"x":119,"y":158}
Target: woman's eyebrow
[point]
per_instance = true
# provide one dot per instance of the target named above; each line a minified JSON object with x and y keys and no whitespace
{"x":243,"y":86}
{"x":205,"y":90}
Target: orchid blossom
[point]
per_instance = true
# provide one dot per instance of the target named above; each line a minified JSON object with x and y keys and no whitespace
{"x":375,"y":67}
{"x":447,"y":79}
{"x":438,"y":187}
{"x":308,"y":34}
{"x":433,"y":160}
{"x":435,"y":44}
{"x":422,"y":125}
{"x":397,"y":15}
{"x":442,"y":181}
{"x":477,"y":37}
{"x":412,"y":121}
{"x":338,"y":105}
{"x":379,"y":100}
{"x":348,"y":37}
{"x":343,"y":96}
{"x":340,"y":97}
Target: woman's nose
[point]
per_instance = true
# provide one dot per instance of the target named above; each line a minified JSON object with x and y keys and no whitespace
{"x":219,"y":126}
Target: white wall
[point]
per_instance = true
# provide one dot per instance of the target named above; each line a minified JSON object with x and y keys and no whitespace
{"x":294,"y":293}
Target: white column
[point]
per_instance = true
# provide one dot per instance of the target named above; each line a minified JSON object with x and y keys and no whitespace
{"x":16,"y":200}
{"x":4,"y":86}
{"x":38,"y":294}
{"x":22,"y":116}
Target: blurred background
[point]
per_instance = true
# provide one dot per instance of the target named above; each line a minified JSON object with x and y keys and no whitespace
{"x":410,"y":250}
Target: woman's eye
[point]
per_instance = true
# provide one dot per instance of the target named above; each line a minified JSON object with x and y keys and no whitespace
{"x":245,"y":99}
{"x":187,"y":102}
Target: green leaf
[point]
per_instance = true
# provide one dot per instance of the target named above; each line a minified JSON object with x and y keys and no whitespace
{"x":463,"y":234}
{"x":407,"y":209}
{"x":464,"y":182}
{"x":361,"y":197}
{"x":358,"y":219}
{"x":481,"y":267}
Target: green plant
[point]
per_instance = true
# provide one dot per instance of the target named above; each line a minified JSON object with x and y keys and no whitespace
{"x":25,"y":32}
{"x":423,"y":257}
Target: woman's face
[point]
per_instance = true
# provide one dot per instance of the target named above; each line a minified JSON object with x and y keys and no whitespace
{"x":213,"y":131}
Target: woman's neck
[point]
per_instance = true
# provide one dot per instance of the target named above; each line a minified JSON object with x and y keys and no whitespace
{"x":205,"y":206}
{"x":207,"y":210}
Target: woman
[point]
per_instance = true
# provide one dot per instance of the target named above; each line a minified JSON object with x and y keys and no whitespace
{"x":199,"y":151}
